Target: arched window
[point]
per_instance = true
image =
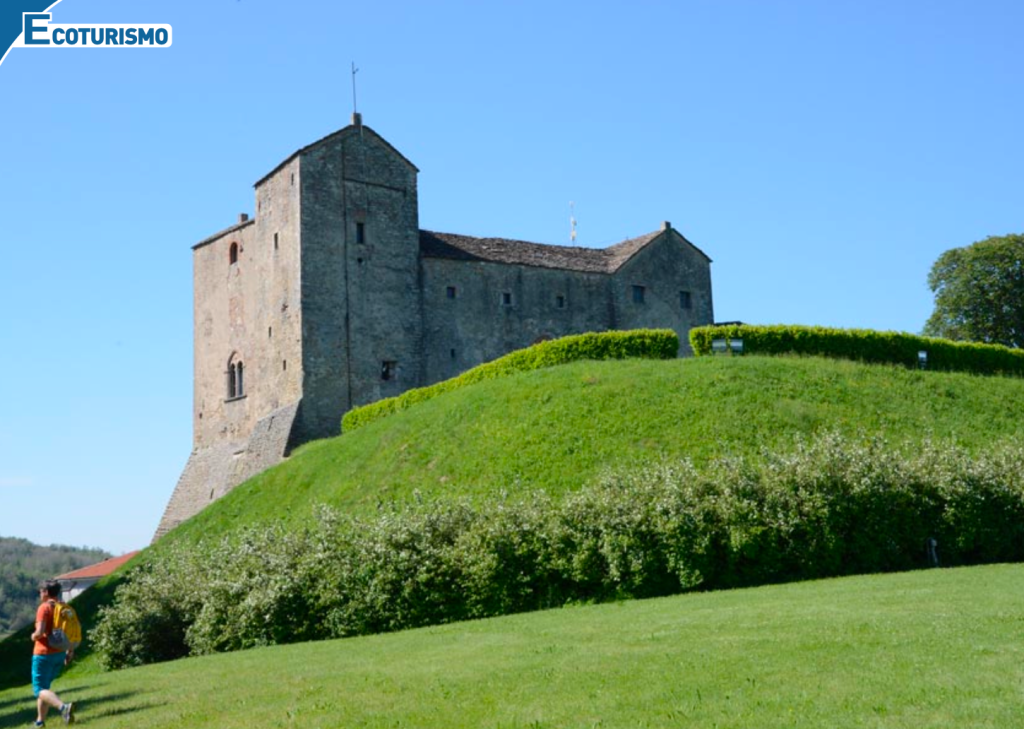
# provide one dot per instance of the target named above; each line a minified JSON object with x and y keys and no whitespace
{"x":235,"y":378}
{"x":233,"y":254}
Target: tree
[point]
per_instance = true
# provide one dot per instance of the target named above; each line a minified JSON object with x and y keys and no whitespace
{"x":23,"y":565}
{"x":979,"y":292}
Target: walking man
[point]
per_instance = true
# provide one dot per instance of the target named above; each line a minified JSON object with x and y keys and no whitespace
{"x":47,"y":662}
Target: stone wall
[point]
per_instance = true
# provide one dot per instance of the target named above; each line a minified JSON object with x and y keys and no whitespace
{"x":496,"y":308}
{"x":249,"y":312}
{"x":668,"y":266}
{"x":361,"y":304}
{"x":213,"y":470}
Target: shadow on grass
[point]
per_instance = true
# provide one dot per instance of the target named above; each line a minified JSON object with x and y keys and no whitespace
{"x":21,"y":712}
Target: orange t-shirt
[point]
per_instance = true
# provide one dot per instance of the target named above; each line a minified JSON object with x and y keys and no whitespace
{"x":44,"y":615}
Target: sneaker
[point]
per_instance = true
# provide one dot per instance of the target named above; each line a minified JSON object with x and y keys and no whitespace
{"x":39,"y":723}
{"x":67,"y":712}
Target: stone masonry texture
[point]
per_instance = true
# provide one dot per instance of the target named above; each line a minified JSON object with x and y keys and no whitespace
{"x":332,"y":297}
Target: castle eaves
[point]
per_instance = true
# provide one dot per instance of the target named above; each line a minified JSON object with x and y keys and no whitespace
{"x":221,"y":234}
{"x":502,"y":250}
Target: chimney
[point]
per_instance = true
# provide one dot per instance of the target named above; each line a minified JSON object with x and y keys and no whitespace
{"x":665,"y":225}
{"x":243,"y":218}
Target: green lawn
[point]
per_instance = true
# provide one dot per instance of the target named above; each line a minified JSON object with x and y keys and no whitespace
{"x":558,"y":429}
{"x":939,"y":648}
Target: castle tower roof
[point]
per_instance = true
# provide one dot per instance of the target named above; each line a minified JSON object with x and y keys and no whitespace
{"x":357,"y":128}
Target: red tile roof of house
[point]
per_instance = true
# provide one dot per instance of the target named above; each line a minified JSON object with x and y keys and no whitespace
{"x":100,"y":569}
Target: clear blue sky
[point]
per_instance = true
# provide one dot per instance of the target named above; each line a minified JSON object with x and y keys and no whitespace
{"x":822,"y":153}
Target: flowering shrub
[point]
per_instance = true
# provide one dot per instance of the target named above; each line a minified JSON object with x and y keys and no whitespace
{"x":830,"y":506}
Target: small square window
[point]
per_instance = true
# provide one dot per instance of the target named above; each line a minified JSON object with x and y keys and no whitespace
{"x":388,"y":369}
{"x":638,"y":294}
{"x":450,"y":292}
{"x":685,"y":300}
{"x":506,"y":299}
{"x":360,"y":233}
{"x":560,"y":302}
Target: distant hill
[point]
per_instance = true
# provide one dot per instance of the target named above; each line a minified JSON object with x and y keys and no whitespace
{"x":23,"y":565}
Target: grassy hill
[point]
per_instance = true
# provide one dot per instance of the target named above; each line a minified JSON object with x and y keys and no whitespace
{"x":936,"y":648}
{"x":557,"y":429}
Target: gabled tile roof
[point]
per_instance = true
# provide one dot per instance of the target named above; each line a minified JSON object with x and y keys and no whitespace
{"x":100,"y":569}
{"x":502,"y":250}
{"x":330,"y":137}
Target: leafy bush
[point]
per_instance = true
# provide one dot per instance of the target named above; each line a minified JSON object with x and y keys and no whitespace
{"x":648,"y":343}
{"x":830,"y":506}
{"x":864,"y":345}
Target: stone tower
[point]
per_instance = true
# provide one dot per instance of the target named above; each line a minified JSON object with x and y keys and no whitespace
{"x":332,"y":297}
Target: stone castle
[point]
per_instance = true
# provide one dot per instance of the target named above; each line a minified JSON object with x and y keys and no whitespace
{"x":332,"y":297}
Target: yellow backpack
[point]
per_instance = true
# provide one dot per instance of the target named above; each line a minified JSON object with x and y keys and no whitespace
{"x":67,"y":630}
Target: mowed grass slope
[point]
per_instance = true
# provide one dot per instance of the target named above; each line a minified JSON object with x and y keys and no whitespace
{"x":560,"y":428}
{"x":937,"y":648}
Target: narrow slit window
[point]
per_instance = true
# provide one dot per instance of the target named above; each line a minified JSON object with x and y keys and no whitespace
{"x":388,"y":370}
{"x":506,"y":299}
{"x":233,"y":254}
{"x":685,"y":300}
{"x":560,"y":302}
{"x":275,"y":241}
{"x":360,"y":233}
{"x":639,"y":293}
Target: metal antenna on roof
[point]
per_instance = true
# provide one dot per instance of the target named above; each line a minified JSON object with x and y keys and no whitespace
{"x":355,"y":109}
{"x":572,"y":221}
{"x":357,"y":119}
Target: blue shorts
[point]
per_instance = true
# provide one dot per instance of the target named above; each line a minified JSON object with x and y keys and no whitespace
{"x":45,"y":670}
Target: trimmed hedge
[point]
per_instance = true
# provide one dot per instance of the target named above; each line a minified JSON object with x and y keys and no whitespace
{"x":646,"y":343}
{"x":865,"y":345}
